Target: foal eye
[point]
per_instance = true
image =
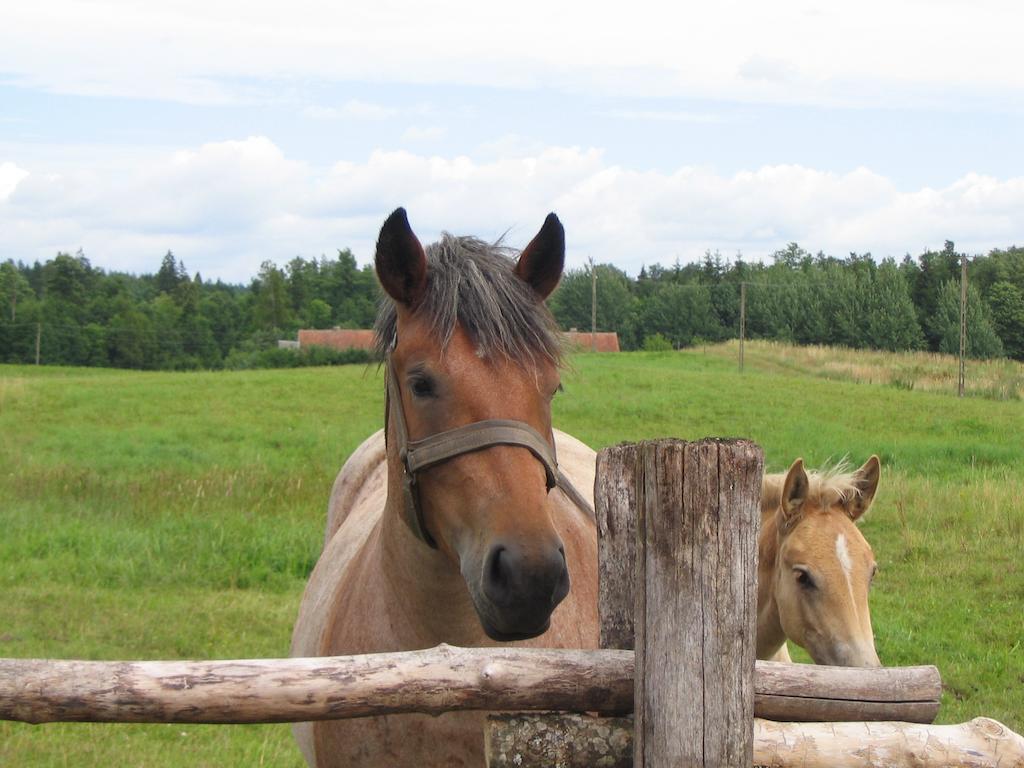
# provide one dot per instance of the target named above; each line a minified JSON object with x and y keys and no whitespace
{"x":874,"y":572}
{"x":803,"y":578}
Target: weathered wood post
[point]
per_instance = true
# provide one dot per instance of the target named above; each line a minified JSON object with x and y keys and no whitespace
{"x":616,"y":484}
{"x":695,"y":602}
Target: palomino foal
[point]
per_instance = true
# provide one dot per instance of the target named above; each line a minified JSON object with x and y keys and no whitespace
{"x":474,"y":547}
{"x":815,"y":567}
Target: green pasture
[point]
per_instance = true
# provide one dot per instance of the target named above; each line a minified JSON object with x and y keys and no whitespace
{"x":176,"y":515}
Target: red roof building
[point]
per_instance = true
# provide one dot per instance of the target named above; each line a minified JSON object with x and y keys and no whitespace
{"x":596,"y":342}
{"x":337,"y":338}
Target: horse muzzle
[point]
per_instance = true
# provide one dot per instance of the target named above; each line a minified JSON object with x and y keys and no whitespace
{"x":517,"y":589}
{"x":847,"y":655}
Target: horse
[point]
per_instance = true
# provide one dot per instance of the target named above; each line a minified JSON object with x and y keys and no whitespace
{"x":815,"y":567}
{"x":454,"y":524}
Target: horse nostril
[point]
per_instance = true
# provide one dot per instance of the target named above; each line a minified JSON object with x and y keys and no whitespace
{"x":496,"y":576}
{"x":511,"y":579}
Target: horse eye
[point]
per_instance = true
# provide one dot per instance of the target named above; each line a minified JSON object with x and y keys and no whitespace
{"x":874,"y":571}
{"x":422,"y":386}
{"x":803,"y":578}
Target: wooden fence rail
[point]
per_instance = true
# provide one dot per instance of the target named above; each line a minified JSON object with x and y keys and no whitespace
{"x":578,"y":741}
{"x":428,"y":681}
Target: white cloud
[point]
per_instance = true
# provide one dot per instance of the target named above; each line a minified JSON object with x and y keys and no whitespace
{"x":873,"y":51}
{"x":221,"y":187}
{"x":10,"y":176}
{"x":225,"y":207}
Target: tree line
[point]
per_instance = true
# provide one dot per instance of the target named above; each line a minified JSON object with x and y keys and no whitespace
{"x":72,"y":313}
{"x":77,"y":314}
{"x":857,"y":302}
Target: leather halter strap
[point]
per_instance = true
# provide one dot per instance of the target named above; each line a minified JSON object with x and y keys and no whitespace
{"x":419,"y":455}
{"x":436,"y":449}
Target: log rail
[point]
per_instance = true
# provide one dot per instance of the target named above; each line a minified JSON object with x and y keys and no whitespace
{"x":430,"y":681}
{"x":578,"y":741}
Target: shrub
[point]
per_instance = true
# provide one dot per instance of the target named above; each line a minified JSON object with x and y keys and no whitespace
{"x":294,"y":358}
{"x":657,"y":343}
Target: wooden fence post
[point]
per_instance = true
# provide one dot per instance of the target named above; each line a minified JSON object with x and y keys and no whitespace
{"x":692,"y":586}
{"x":615,"y":494}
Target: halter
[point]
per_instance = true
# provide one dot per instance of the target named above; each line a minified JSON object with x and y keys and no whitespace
{"x":420,"y":455}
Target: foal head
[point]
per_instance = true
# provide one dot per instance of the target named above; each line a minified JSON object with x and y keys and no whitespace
{"x":468,"y":339}
{"x":823,"y":564}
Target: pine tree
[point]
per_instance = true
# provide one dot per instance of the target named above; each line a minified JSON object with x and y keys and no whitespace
{"x":272,"y":305}
{"x":982,"y":341}
{"x":169,"y":275}
{"x":891,"y":319}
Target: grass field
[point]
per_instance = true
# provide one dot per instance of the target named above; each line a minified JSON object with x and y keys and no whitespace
{"x":999,"y":379}
{"x":176,"y":515}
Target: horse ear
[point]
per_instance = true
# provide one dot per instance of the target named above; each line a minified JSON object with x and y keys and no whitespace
{"x":794,"y":493}
{"x":866,"y":481}
{"x":400,"y":262}
{"x":541,"y":262}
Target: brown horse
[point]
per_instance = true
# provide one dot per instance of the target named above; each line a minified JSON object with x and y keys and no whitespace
{"x":454,"y":524}
{"x":815,"y":567}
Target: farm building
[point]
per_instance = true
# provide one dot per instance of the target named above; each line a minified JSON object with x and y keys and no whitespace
{"x":337,"y":338}
{"x":598,"y":342}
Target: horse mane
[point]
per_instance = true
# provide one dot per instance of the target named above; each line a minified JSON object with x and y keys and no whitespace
{"x":472,"y":283}
{"x":829,"y":485}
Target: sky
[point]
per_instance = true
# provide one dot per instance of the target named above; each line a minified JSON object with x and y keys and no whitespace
{"x":234,"y":133}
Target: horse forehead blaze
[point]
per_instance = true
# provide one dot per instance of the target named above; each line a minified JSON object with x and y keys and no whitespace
{"x":827,"y":536}
{"x":843,"y":554}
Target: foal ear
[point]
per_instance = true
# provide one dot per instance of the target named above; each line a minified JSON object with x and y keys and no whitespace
{"x":794,"y":493}
{"x":541,"y":262}
{"x":400,"y":262}
{"x":865,"y":480}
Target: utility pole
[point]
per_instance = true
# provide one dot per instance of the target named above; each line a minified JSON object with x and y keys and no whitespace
{"x":593,"y":305}
{"x":743,"y":320}
{"x":963,"y":321}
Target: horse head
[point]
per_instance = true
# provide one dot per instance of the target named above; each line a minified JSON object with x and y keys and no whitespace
{"x":473,"y":363}
{"x":822,"y":566}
